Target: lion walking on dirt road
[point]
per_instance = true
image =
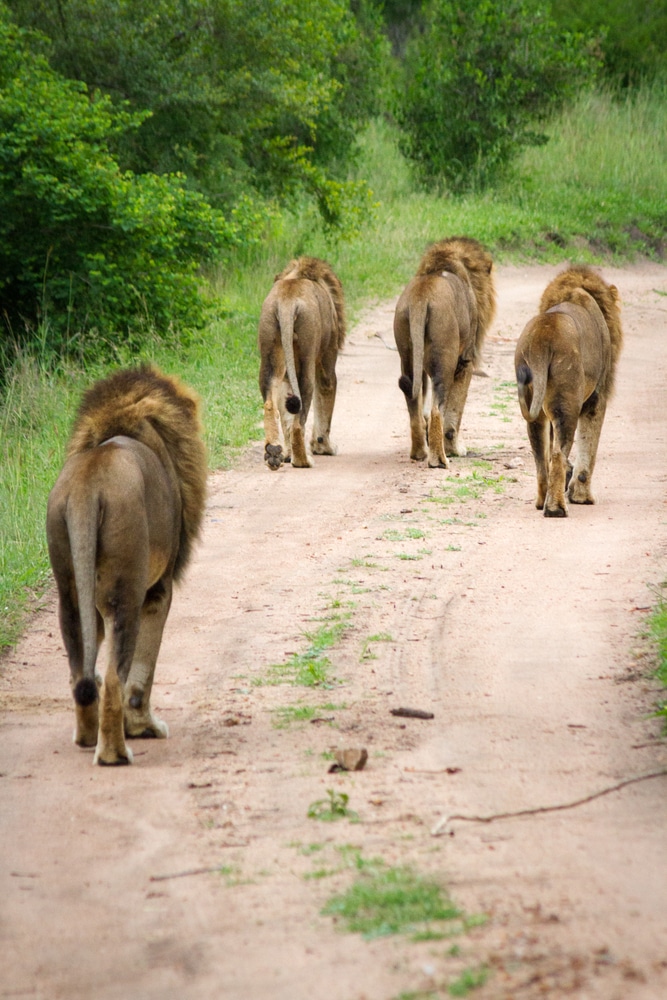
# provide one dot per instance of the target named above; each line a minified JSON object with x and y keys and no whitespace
{"x":565,"y":362}
{"x":301,"y":331}
{"x":440,"y":323}
{"x":121,"y":522}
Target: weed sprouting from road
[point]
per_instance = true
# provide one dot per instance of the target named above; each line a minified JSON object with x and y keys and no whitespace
{"x":334,"y":807}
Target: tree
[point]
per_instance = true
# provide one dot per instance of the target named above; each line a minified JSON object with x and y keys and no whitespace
{"x":480,"y":76}
{"x":85,"y":246}
{"x":633,"y":36}
{"x":259,"y":96}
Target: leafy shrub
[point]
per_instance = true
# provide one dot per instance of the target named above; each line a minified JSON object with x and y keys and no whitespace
{"x":633,"y":36}
{"x":480,"y":75}
{"x":85,"y":246}
{"x":246,"y":96}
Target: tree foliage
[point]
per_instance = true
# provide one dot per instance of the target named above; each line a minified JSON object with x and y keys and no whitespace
{"x":245,"y":95}
{"x":632,"y":36}
{"x":480,"y":77}
{"x":83,"y":244}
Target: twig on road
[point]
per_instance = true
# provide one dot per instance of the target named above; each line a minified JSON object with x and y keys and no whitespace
{"x":442,"y":824}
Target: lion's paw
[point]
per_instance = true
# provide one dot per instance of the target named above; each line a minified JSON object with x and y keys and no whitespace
{"x":323,"y":446}
{"x":113,"y":758}
{"x":273,"y":456}
{"x":579,"y":491}
{"x":146,"y":729}
{"x":555,"y":511}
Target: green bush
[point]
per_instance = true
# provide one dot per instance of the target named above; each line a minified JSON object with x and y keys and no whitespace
{"x":246,"y":96}
{"x":480,"y":76}
{"x":632,"y":36}
{"x":84,"y":246}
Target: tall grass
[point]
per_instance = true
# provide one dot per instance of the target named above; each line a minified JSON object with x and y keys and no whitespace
{"x":596,"y":191}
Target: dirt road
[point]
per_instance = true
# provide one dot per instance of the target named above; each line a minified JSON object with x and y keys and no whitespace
{"x":197,"y":873}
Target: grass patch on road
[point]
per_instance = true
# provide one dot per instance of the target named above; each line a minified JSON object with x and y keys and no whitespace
{"x":658,"y":629}
{"x":393,"y":900}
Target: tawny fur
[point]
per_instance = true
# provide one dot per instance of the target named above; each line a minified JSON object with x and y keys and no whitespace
{"x":471,"y":262}
{"x":130,"y":402}
{"x":122,"y":518}
{"x":566,"y":287}
{"x":318,"y":270}
{"x":566,"y":360}
{"x":440,"y":323}
{"x":301,"y":331}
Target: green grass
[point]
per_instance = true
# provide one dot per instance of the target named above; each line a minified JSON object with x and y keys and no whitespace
{"x":658,"y":628}
{"x":385,"y":900}
{"x":470,"y":979}
{"x":311,"y":668}
{"x":463,"y":488}
{"x":334,"y":807}
{"x":594,"y":192}
{"x":289,"y":714}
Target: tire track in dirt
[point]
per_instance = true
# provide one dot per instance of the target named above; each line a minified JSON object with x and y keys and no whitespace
{"x":515,"y":631}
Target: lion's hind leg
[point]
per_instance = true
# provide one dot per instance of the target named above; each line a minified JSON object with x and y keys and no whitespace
{"x":273,"y":452}
{"x":456,"y":401}
{"x":139,"y":720}
{"x":588,"y":437}
{"x":437,"y":459}
{"x":555,"y":504}
{"x":324,"y":399}
{"x":121,"y":625}
{"x":539,"y":432}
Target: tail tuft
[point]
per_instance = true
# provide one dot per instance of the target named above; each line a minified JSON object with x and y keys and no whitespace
{"x":524,"y":376}
{"x":85,"y":692}
{"x":405,"y":385}
{"x":292,"y":404}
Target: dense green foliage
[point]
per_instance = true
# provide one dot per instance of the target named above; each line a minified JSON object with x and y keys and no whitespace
{"x":632,"y":35}
{"x":480,"y":76}
{"x":244,"y":95}
{"x":84,"y":245}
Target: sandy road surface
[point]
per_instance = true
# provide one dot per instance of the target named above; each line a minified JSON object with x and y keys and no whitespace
{"x":519,"y":633}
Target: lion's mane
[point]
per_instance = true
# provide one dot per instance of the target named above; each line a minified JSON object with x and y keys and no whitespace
{"x":567,"y":287}
{"x":140,"y":403}
{"x":314,"y":269}
{"x":469,"y":261}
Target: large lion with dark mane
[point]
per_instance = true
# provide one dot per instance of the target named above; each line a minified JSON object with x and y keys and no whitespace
{"x":565,"y":363}
{"x":121,"y":522}
{"x":440,"y":323}
{"x":301,"y":331}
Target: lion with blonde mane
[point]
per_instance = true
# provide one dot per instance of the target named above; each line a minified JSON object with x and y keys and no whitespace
{"x":301,"y":331}
{"x":121,"y":522}
{"x":440,"y":323}
{"x":565,"y":362}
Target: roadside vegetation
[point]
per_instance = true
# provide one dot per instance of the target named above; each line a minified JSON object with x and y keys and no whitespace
{"x":149,"y":195}
{"x":658,"y":629}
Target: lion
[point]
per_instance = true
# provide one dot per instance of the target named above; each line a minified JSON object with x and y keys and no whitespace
{"x":440,"y":323}
{"x":122,"y":519}
{"x":565,"y":362}
{"x":301,"y":331}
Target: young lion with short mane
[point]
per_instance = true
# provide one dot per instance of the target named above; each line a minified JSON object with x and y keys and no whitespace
{"x":440,"y":323}
{"x":301,"y":331}
{"x":565,"y":364}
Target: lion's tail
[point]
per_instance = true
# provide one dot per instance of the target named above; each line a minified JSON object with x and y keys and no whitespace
{"x":417,"y":315}
{"x":286,"y":315}
{"x":82,"y":521}
{"x":531,"y":387}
